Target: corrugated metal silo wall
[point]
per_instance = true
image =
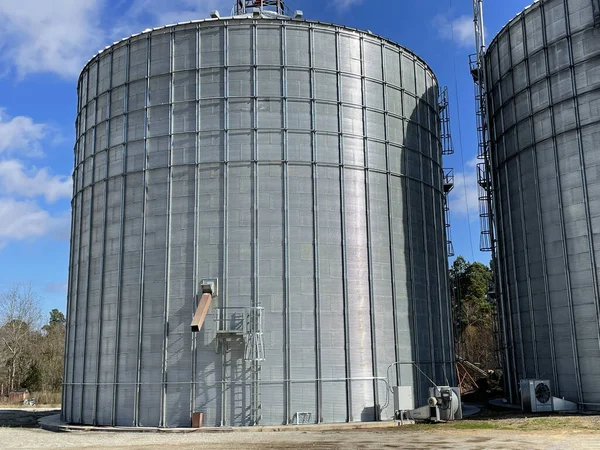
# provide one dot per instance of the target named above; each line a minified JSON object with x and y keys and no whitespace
{"x":298,"y":163}
{"x":543,"y":76}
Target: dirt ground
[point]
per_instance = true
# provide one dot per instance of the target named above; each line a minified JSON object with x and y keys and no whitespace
{"x":555,"y":432}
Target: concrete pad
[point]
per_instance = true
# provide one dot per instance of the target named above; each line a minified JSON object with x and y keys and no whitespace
{"x":53,"y":423}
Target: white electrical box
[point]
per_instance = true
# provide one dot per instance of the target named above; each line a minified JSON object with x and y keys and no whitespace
{"x":403,"y":398}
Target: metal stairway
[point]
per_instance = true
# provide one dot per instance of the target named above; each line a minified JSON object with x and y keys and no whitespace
{"x":244,"y":326}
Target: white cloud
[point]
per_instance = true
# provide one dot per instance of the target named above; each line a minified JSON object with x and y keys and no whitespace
{"x":346,"y":3}
{"x":464,"y":198}
{"x":17,"y":180}
{"x":26,"y":220}
{"x":142,"y":14}
{"x":49,"y":36}
{"x":20,"y":185}
{"x":59,"y":36}
{"x":460,"y":30}
{"x":21,"y":134}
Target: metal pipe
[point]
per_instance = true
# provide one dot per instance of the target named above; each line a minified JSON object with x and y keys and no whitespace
{"x":274,"y":381}
{"x":369,"y":229}
{"x":390,"y":214}
{"x":286,"y":226}
{"x":225,"y":285}
{"x":256,"y":301}
{"x":315,"y":206}
{"x":103,"y":260}
{"x":121,"y":235}
{"x":166,"y":306}
{"x":412,"y":307}
{"x":416,"y":114}
{"x":342,"y":186}
{"x":136,"y":394}
{"x":194,"y":340}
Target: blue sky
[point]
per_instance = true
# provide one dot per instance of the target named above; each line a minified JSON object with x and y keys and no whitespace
{"x":44,"y":44}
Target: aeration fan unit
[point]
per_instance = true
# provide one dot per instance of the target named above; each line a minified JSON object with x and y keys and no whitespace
{"x":443,"y":405}
{"x":536,"y":396}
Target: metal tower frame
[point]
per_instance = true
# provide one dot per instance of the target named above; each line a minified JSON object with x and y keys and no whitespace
{"x":244,"y":6}
{"x":485,"y":181}
{"x":484,"y":172}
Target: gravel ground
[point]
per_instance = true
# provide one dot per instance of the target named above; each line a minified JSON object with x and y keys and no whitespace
{"x":578,"y":432}
{"x":348,"y":440}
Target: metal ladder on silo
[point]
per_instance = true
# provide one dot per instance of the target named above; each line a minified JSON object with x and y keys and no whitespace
{"x":254,"y":353}
{"x":485,"y":179}
{"x":447,"y":174}
{"x":484,"y":168}
{"x":448,"y":185}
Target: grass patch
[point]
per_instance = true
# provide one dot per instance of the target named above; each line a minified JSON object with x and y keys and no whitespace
{"x":475,"y":425}
{"x":557,"y":424}
{"x":458,"y":425}
{"x":43,"y":399}
{"x":47,"y":398}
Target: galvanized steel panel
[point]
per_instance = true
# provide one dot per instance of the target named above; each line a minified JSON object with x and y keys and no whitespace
{"x":298,"y":163}
{"x":544,"y":127}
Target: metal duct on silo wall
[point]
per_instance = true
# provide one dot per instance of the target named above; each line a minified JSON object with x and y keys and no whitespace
{"x":543,"y":79}
{"x":299,"y":164}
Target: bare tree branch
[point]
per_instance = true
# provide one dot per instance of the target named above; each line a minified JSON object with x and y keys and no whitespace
{"x":20,"y":317}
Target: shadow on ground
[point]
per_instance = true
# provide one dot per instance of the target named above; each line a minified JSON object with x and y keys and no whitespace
{"x":23,"y":418}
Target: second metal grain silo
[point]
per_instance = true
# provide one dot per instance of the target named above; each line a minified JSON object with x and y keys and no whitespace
{"x":543,"y":79}
{"x":293,"y":170}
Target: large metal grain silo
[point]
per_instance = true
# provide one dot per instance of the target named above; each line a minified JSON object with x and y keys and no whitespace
{"x":294,"y":165}
{"x":543,"y":77}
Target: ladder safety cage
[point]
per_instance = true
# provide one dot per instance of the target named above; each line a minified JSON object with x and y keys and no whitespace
{"x":484,"y":173}
{"x":447,"y":174}
{"x":448,"y":185}
{"x":445,"y":135}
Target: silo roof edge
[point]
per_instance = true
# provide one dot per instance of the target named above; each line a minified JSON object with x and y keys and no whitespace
{"x":269,"y":16}
{"x":512,"y":21}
